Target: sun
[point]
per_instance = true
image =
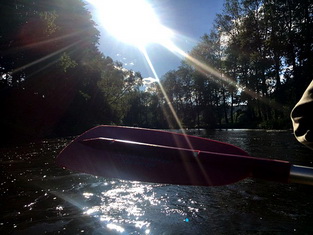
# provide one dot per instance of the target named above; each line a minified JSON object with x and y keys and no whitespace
{"x":131,"y":21}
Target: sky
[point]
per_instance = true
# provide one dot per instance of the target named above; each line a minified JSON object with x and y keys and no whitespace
{"x":187,"y":19}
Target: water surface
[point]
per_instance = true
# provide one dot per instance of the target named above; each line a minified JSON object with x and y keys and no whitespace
{"x":38,"y":197}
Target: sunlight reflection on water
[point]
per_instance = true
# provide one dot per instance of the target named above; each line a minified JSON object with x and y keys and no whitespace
{"x":130,"y":198}
{"x":41,"y":197}
{"x":124,"y":206}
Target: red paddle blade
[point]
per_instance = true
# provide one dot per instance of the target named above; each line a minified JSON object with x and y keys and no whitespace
{"x":164,"y":157}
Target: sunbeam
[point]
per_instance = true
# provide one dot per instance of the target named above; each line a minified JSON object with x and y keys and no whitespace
{"x":207,"y":69}
{"x":187,"y":166}
{"x":200,"y":66}
{"x":45,"y":57}
{"x":161,"y":87}
{"x":138,"y":33}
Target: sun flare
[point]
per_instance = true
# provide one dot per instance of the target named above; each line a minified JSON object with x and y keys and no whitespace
{"x":133,"y":22}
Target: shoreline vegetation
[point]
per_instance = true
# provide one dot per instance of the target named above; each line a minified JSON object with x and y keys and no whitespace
{"x":55,"y":82}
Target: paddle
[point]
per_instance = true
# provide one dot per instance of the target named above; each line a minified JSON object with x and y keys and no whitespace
{"x":171,"y":158}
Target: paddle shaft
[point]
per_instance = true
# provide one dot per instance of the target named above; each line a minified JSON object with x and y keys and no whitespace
{"x":301,"y":175}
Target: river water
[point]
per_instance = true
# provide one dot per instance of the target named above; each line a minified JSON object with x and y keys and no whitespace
{"x":38,"y":197}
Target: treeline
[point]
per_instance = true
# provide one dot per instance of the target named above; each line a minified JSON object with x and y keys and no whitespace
{"x":248,"y":71}
{"x":53,"y":79}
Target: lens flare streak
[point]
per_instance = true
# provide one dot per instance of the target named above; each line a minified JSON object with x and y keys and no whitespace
{"x":187,"y":166}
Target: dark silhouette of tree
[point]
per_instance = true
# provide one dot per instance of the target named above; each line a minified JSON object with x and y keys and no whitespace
{"x":260,"y":52}
{"x":53,"y":79}
{"x":252,"y":68}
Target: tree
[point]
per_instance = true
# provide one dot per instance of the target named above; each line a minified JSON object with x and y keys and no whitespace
{"x":53,"y":78}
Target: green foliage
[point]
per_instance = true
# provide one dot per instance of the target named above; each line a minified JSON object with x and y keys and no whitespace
{"x":49,"y":17}
{"x":85,"y":95}
{"x":66,"y":62}
{"x":256,"y":56}
{"x":54,"y":81}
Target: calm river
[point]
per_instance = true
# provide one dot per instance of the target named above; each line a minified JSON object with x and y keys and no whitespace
{"x":38,"y":197}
